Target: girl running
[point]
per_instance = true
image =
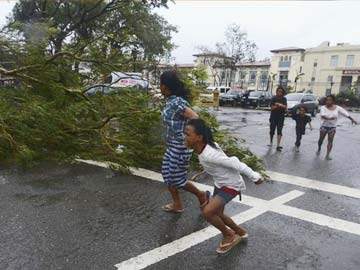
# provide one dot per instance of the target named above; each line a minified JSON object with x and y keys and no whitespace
{"x":301,"y":120}
{"x":226,"y":172}
{"x":329,"y":115}
{"x":176,"y":159}
{"x":277,"y":117}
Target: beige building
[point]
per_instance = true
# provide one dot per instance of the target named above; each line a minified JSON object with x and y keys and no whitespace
{"x":286,"y":66}
{"x":321,"y":70}
{"x":332,"y":69}
{"x":253,"y":76}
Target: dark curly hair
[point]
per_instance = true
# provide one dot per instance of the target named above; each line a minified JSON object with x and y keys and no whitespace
{"x":171,"y":80}
{"x":201,"y":128}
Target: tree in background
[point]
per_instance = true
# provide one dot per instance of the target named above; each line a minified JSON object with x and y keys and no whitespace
{"x":118,"y":35}
{"x":235,"y":50}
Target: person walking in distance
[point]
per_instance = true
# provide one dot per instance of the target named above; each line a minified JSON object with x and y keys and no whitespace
{"x":277,"y":117}
{"x":301,"y":120}
{"x":330,"y":114}
{"x":175,"y":164}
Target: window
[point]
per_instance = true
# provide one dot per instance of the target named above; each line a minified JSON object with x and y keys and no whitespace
{"x":264,"y":75}
{"x":313,"y":79}
{"x":281,"y":58}
{"x":286,"y":58}
{"x":315,"y":64}
{"x":350,"y":60}
{"x":300,"y":69}
{"x":330,"y":78}
{"x":252,"y":76}
{"x":334,"y":60}
{"x":289,"y":58}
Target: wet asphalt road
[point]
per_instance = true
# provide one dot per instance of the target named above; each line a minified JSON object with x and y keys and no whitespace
{"x":80,"y":216}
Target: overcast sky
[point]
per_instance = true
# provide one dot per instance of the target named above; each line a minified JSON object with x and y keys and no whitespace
{"x":271,"y":24}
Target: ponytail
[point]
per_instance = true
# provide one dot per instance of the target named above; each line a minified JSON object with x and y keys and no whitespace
{"x":202,"y":129}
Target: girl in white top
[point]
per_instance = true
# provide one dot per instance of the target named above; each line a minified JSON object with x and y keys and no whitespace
{"x":329,"y":115}
{"x":226,"y":172}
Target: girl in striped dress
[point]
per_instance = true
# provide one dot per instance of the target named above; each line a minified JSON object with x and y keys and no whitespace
{"x":176,"y":159}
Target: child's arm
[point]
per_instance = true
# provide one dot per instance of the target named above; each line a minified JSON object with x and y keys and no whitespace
{"x":233,"y":163}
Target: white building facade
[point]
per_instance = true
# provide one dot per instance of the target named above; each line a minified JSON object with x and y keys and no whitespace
{"x":321,"y":70}
{"x":249,"y":76}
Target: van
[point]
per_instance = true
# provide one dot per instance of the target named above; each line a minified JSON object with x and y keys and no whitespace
{"x":222,"y":89}
{"x":127,"y":79}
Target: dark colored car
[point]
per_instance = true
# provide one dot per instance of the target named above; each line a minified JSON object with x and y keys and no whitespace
{"x":257,"y":99}
{"x":309,"y":101}
{"x":232,"y":97}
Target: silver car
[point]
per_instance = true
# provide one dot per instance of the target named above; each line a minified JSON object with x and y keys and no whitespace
{"x":309,"y":101}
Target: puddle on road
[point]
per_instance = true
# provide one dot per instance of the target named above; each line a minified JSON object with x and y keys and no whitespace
{"x":41,"y":199}
{"x":3,"y":180}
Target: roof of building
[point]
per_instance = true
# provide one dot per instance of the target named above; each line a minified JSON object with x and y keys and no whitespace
{"x":338,"y":47}
{"x":288,"y":49}
{"x":164,"y":65}
{"x":254,"y":64}
{"x":211,"y":54}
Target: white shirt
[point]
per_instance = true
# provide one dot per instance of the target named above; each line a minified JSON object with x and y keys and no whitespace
{"x":226,"y":171}
{"x":324,"y":111}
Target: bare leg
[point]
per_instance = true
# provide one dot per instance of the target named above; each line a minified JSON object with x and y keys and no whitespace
{"x":331,"y":136}
{"x":231,"y":224}
{"x":177,"y":204}
{"x":201,"y":195}
{"x":279,"y":140}
{"x":321,"y":139}
{"x":211,"y":214}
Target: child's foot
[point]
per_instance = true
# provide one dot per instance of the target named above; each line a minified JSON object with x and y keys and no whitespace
{"x":297,"y":148}
{"x":279,"y":148}
{"x":318,"y":152}
{"x":228,"y":243}
{"x":270,"y":144}
{"x":243,"y":234}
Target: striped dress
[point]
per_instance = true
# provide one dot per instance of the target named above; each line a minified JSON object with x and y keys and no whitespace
{"x":176,"y":158}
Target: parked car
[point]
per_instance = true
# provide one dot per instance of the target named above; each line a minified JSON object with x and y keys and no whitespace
{"x":257,"y":99}
{"x":309,"y":101}
{"x":232,"y":97}
{"x":104,"y":89}
{"x":222,"y":89}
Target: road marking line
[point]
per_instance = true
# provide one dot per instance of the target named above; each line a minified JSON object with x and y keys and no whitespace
{"x":314,"y":184}
{"x":275,"y":176}
{"x":319,"y":219}
{"x":260,"y":206}
{"x":158,"y":254}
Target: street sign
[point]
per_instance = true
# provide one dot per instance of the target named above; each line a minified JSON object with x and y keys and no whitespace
{"x":352,"y":72}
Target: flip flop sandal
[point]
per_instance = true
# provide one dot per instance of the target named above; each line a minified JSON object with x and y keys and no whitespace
{"x":224,"y":248}
{"x":244,"y":237}
{"x":169,"y":208}
{"x":208,"y":195}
